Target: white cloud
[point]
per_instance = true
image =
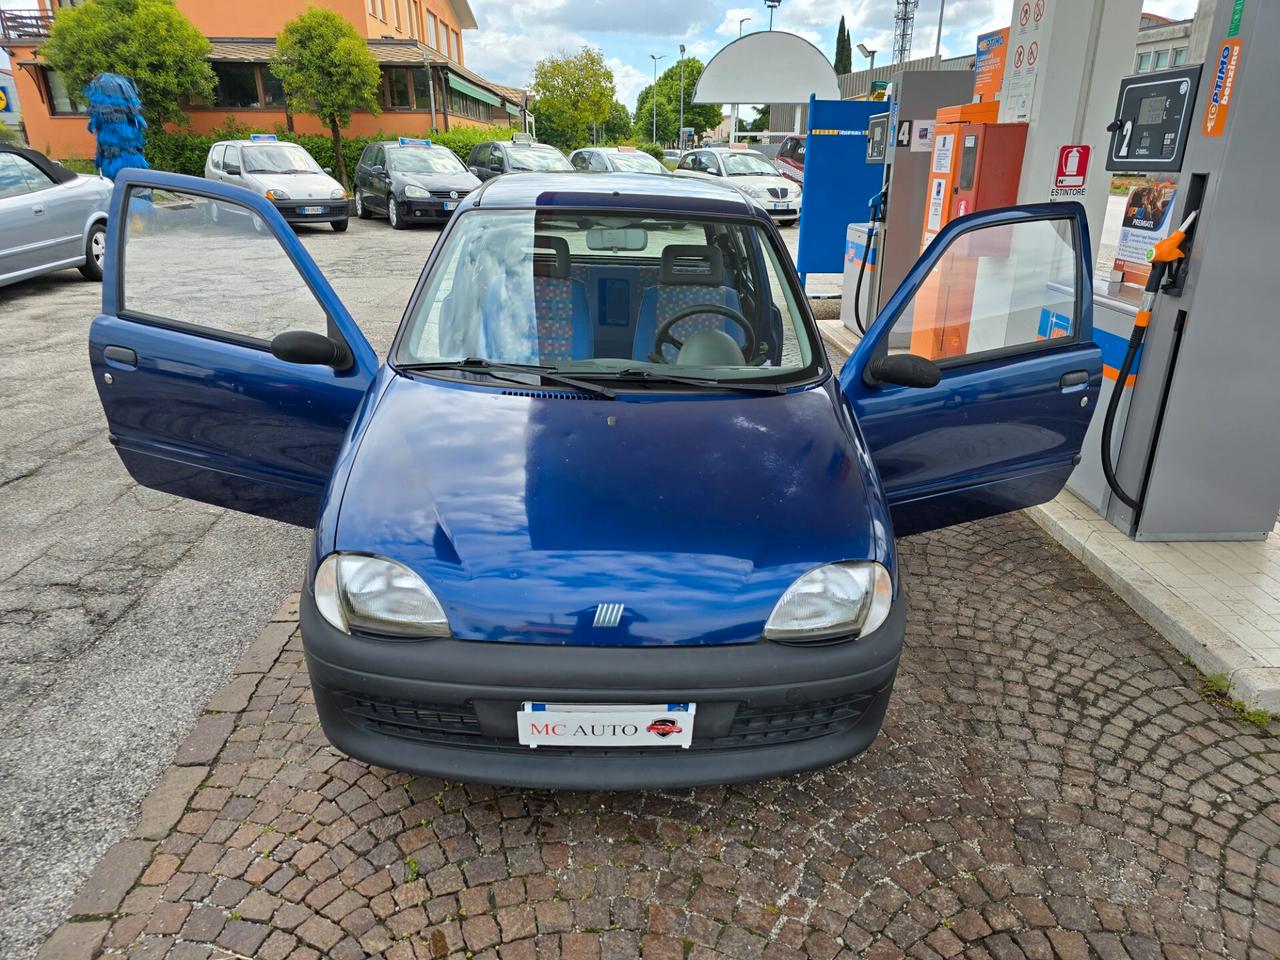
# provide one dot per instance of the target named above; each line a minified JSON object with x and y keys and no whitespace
{"x":629,"y":80}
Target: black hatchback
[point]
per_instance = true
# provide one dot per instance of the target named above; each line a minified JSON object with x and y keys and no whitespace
{"x":410,"y":181}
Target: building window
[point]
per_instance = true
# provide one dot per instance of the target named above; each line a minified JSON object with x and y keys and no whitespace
{"x":395,"y":85}
{"x":272,"y":88}
{"x":455,"y":48}
{"x":237,"y":85}
{"x":421,"y":78}
{"x":433,"y":31}
{"x":1179,"y":56}
{"x":395,"y":9}
{"x":1162,"y":59}
{"x":461,"y":105}
{"x":60,"y":98}
{"x":373,"y":7}
{"x":1144,"y":62}
{"x":382,"y":10}
{"x":415,"y":17}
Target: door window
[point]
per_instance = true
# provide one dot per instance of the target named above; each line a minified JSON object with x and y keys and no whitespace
{"x":216,"y":153}
{"x":231,"y":162}
{"x":18,"y":176}
{"x":688,"y":162}
{"x":579,"y":161}
{"x":1001,"y":288}
{"x":180,"y":252}
{"x":495,"y":159}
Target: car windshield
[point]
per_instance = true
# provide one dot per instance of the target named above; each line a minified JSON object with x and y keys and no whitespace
{"x":537,"y":158}
{"x":423,"y":160}
{"x":606,"y":295}
{"x":636,"y":163}
{"x":747,"y":165}
{"x":279,"y":158}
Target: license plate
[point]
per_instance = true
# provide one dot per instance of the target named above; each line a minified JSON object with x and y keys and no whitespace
{"x":451,"y":205}
{"x":307,"y":211}
{"x":782,"y":206}
{"x":605,"y":724}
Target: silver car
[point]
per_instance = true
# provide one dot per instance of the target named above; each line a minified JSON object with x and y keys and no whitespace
{"x":285,"y":174}
{"x":50,"y":217}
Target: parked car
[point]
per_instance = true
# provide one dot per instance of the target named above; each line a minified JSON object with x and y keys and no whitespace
{"x":285,"y":174}
{"x":50,"y":218}
{"x":607,"y":497}
{"x":615,"y":160}
{"x":410,"y":181}
{"x":790,"y":158}
{"x":493,"y":158}
{"x":749,"y":172}
{"x":672,"y":156}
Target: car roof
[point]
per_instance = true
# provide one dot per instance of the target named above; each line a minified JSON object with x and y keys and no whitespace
{"x":397,"y":143}
{"x":256,"y":143}
{"x":733,"y":150}
{"x":634,"y":191}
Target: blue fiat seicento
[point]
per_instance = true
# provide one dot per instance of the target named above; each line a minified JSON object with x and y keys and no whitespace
{"x":606,"y":517}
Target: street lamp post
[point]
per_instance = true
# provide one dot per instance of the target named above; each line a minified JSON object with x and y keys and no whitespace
{"x":772,"y":5}
{"x":682,"y":96}
{"x":655,"y":58}
{"x":937,"y":44}
{"x":733,"y":114}
{"x":870,"y":55}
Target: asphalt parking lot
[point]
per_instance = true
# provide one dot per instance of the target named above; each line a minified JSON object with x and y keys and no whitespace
{"x":1050,"y":780}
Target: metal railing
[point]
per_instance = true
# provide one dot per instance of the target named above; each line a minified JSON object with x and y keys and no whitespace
{"x":25,"y":24}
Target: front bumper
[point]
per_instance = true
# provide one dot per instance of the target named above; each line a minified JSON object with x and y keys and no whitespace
{"x":329,"y":210}
{"x":428,"y":211}
{"x":447,"y":708}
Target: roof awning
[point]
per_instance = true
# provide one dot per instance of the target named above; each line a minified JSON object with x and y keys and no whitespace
{"x":471,"y":90}
{"x":514,"y":111}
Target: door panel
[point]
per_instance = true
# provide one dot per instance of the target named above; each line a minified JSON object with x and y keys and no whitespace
{"x":1002,"y":302}
{"x":196,"y":403}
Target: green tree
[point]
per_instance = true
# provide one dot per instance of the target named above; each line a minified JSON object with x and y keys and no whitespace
{"x":327,"y":70}
{"x":10,"y":135}
{"x":573,"y":96}
{"x":700,"y":116}
{"x":617,"y":126}
{"x":149,"y":41}
{"x":844,"y":50}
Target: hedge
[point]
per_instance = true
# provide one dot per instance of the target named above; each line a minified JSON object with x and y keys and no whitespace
{"x":185,"y":152}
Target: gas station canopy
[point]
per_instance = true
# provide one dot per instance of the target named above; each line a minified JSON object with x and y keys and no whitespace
{"x":796,"y":70}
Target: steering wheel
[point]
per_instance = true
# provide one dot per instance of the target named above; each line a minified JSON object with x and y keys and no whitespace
{"x":664,"y":335}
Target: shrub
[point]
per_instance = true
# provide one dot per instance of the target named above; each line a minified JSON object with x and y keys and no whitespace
{"x":652,"y":149}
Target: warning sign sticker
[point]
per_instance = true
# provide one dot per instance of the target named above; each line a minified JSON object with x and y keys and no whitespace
{"x":943,"y":147}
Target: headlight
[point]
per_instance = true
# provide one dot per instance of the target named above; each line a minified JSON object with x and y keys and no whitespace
{"x":338,"y":194}
{"x":757,"y":192}
{"x":836,"y":600}
{"x":412,"y":191}
{"x":376,"y":595}
{"x":277,"y":194}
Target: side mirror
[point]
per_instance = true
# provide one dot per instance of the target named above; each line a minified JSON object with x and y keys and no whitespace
{"x":304,"y":346}
{"x":478,"y":171}
{"x":232,"y":169}
{"x":904,"y":370}
{"x":327,"y":169}
{"x":377,"y":169}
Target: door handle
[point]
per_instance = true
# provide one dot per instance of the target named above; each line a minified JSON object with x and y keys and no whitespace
{"x":1076,"y":378}
{"x":38,"y":209}
{"x":120,"y":356}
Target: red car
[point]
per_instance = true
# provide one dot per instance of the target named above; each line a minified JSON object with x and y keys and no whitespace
{"x":790,"y":158}
{"x":664,"y":727}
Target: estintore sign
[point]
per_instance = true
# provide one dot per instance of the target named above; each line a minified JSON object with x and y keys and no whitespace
{"x":1073,"y":165}
{"x":904,"y":133}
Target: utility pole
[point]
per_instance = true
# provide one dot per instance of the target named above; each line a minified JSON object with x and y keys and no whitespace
{"x":655,"y":58}
{"x":937,"y":44}
{"x":681,"y":138}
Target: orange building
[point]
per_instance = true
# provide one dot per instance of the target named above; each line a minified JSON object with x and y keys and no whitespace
{"x":417,"y":43}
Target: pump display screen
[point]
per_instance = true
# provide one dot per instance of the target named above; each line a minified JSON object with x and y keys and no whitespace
{"x":1151,"y":110}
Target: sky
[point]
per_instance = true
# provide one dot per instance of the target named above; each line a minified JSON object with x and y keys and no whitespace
{"x":514,"y":35}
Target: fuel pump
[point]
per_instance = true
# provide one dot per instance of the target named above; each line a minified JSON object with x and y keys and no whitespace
{"x":876,"y":205}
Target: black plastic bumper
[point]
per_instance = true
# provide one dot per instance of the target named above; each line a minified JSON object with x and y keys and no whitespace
{"x":447,"y":708}
{"x":427,"y":211}
{"x":331,"y":210}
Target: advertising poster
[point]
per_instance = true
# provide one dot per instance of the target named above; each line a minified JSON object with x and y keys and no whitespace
{"x":988,"y":68}
{"x":1148,"y":213}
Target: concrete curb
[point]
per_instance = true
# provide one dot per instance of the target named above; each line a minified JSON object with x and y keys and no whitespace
{"x":99,"y":899}
{"x":1190,"y":632}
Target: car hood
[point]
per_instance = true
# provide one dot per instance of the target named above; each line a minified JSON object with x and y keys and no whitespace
{"x":462,"y":181}
{"x":299,"y":186}
{"x":765,"y":180}
{"x":524,"y":510}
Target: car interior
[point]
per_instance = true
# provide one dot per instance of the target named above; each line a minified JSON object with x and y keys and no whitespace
{"x":638,"y":291}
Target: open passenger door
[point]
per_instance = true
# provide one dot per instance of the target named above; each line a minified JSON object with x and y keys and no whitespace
{"x":975,"y":385}
{"x":202,"y":396}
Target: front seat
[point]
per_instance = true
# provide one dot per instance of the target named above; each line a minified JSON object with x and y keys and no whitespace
{"x":560,"y":303}
{"x":690,"y":275}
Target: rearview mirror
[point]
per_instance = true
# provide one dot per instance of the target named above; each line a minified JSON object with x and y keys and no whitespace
{"x":631,"y":239}
{"x":304,"y":346}
{"x":904,"y":370}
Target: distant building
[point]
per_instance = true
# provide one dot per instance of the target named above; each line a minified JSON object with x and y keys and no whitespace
{"x":417,"y":43}
{"x":10,"y":108}
{"x":1162,"y":44}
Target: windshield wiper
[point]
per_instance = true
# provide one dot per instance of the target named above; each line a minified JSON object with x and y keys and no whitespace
{"x":493,"y":369}
{"x":654,"y":376}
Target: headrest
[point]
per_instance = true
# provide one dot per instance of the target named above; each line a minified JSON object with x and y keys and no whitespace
{"x":557,"y":265}
{"x":689,"y":264}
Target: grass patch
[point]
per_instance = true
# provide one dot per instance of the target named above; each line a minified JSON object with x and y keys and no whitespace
{"x":1215,"y":688}
{"x":410,"y":870}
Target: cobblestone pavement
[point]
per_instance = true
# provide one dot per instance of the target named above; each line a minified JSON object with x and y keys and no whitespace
{"x":1049,"y":783}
